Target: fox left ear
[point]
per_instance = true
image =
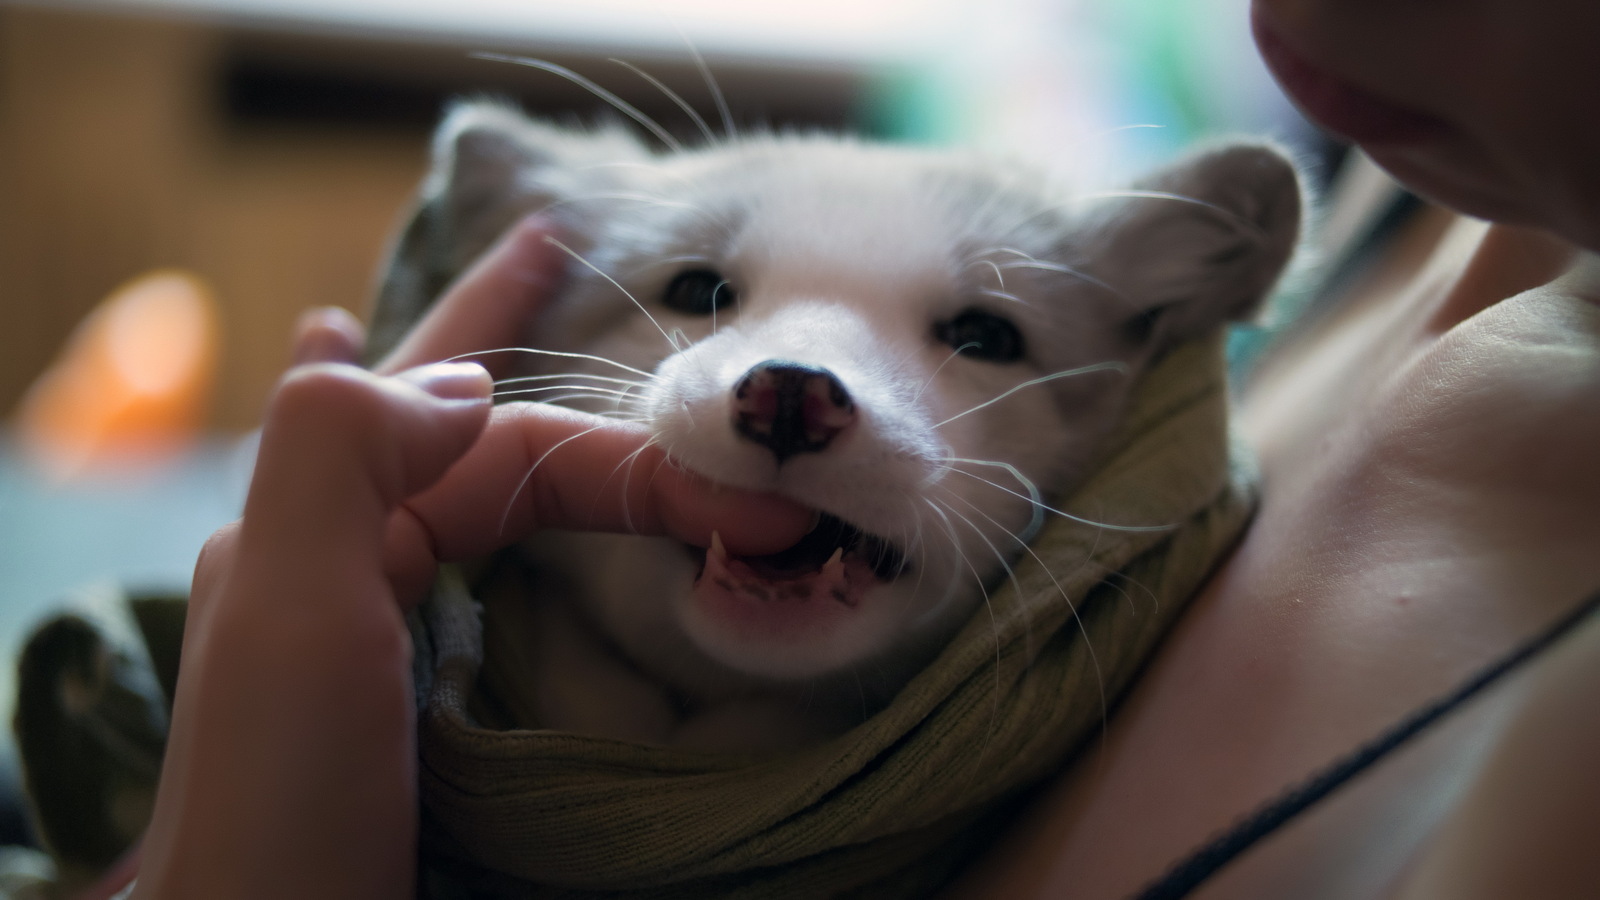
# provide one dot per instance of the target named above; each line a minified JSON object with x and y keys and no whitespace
{"x":1201,"y":242}
{"x":491,"y":166}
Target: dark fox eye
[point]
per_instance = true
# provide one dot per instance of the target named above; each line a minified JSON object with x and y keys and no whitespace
{"x":698,"y":292}
{"x":981,"y":335}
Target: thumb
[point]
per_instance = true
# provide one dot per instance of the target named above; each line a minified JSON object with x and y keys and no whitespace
{"x":342,"y":447}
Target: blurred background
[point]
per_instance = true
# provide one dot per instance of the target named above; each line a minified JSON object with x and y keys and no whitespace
{"x":217,"y":166}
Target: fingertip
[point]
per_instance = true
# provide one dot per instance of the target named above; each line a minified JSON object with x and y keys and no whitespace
{"x":330,"y":429}
{"x":328,"y":334}
{"x":771,"y":523}
{"x":692,"y":508}
{"x":451,"y":380}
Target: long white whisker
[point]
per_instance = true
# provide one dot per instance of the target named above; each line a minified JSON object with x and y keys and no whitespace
{"x":526,"y":379}
{"x":998,"y":275}
{"x":561,"y":353}
{"x":506,"y":516}
{"x":1046,"y":266}
{"x":621,"y":105}
{"x":1039,"y":506}
{"x":711,"y":84}
{"x":1155,"y":601}
{"x":940,"y":510}
{"x":1082,"y":370}
{"x":1035,"y":498}
{"x":1003,"y":295}
{"x":1083,"y":629}
{"x":575,"y":390}
{"x":999,"y":557}
{"x":994,"y":624}
{"x":579,"y":391}
{"x":671,"y":95}
{"x":616,"y":411}
{"x":910,"y":538}
{"x":596,"y":269}
{"x":630,"y":461}
{"x":953,"y":354}
{"x":1240,"y":221}
{"x":1004,"y":560}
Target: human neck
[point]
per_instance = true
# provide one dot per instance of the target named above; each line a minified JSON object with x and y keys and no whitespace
{"x":1491,"y":264}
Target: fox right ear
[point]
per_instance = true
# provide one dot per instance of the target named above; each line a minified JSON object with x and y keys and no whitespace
{"x":480,"y":151}
{"x":491,"y":166}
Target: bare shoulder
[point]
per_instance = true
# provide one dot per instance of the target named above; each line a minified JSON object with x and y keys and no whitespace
{"x":1502,"y":412}
{"x":1523,"y":377}
{"x":1541,"y":345}
{"x":1525,"y":827}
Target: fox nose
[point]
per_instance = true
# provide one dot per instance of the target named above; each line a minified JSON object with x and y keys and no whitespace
{"x":790,"y":407}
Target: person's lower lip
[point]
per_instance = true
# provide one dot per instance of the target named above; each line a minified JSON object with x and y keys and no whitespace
{"x":1338,"y":106}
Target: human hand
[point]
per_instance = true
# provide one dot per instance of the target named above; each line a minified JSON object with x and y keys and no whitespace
{"x":290,"y":767}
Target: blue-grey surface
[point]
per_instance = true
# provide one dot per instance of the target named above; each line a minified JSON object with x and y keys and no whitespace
{"x":71,"y":545}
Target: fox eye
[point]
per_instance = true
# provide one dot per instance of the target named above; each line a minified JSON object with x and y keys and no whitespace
{"x":698,"y":292}
{"x":981,"y":335}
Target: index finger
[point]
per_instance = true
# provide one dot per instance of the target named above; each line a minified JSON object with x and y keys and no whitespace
{"x":611,"y":478}
{"x":489,"y":306}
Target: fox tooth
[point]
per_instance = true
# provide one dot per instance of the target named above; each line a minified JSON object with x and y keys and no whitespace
{"x":835,"y":564}
{"x":717,"y":550}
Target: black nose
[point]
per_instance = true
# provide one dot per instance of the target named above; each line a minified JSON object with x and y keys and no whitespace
{"x":790,"y":407}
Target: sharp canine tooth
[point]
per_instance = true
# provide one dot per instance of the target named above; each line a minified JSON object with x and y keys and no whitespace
{"x":717,"y":549}
{"x":835,"y":564}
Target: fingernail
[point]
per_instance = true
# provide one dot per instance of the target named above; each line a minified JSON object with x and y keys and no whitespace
{"x":451,"y":380}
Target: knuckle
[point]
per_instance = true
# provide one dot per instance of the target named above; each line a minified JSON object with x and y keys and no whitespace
{"x":327,"y":395}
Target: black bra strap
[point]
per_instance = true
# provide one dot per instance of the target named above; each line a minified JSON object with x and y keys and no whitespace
{"x":1190,"y":872}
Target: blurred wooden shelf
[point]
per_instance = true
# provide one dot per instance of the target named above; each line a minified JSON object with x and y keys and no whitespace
{"x":274,"y":163}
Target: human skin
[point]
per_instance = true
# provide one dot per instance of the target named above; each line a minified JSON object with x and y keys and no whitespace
{"x":291,"y":762}
{"x":1429,"y":502}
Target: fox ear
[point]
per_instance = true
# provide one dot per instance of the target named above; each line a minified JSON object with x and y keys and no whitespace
{"x":1202,"y":242}
{"x":491,"y":166}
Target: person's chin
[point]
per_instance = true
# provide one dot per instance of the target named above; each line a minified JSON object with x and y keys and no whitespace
{"x":1482,"y":195}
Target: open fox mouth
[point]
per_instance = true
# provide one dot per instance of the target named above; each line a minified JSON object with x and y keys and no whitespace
{"x":836,"y":560}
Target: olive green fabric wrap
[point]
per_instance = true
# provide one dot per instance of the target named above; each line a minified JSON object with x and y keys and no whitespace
{"x":895,"y":806}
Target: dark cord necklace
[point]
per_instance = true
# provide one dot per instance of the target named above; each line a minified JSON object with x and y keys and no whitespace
{"x":1189,"y":873}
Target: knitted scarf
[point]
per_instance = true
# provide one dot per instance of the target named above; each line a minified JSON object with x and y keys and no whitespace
{"x":895,"y":806}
